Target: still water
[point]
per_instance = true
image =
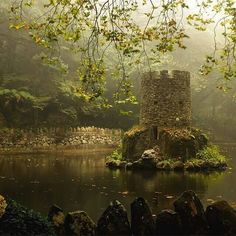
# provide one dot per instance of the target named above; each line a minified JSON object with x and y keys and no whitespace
{"x":81,"y":182}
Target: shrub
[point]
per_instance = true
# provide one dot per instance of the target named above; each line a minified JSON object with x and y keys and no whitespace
{"x":211,"y":153}
{"x":116,"y":155}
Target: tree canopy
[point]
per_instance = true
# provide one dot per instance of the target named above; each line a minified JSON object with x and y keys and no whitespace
{"x":35,"y":94}
{"x":127,"y":33}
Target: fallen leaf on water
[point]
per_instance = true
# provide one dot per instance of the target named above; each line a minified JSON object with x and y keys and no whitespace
{"x":169,"y":196}
{"x":34,"y":182}
{"x":233,"y":204}
{"x":210,"y":200}
{"x":124,"y":193}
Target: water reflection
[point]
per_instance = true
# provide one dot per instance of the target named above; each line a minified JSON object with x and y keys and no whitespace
{"x":82,"y":182}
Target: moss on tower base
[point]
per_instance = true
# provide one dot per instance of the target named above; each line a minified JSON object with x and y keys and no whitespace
{"x":172,"y":149}
{"x":136,"y":141}
{"x":172,"y":142}
{"x":182,"y":143}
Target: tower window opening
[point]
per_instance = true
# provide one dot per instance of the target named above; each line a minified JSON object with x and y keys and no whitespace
{"x":155,"y":133}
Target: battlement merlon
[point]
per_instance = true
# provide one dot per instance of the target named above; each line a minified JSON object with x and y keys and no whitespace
{"x":178,"y":74}
{"x":165,"y":74}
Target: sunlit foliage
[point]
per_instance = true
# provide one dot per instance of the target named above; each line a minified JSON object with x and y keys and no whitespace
{"x":128,"y":32}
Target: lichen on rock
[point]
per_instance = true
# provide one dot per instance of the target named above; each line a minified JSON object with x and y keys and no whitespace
{"x":136,"y":141}
{"x":184,"y":143}
{"x":79,"y":223}
{"x":19,"y":220}
{"x":114,"y":221}
{"x":3,"y":205}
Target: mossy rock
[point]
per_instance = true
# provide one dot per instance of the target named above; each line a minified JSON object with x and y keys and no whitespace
{"x":136,"y":141}
{"x":178,"y":166}
{"x":200,"y":165}
{"x":114,"y":221}
{"x":79,"y":223}
{"x":134,"y":131}
{"x":164,"y":165}
{"x":182,"y":143}
{"x":208,"y":158}
{"x":115,"y":164}
{"x":191,"y":212}
{"x":18,"y":220}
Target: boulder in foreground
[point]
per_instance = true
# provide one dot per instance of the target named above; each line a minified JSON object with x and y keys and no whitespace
{"x":79,"y":223}
{"x":18,"y":220}
{"x":191,"y":212}
{"x":142,"y":222}
{"x":114,"y":221}
{"x":221,"y":218}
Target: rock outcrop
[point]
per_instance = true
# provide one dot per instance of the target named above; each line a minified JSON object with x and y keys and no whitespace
{"x":79,"y":223}
{"x":168,"y":223}
{"x":191,"y":212}
{"x":18,"y":220}
{"x":142,"y":222}
{"x":114,"y":221}
{"x":57,"y":217}
{"x":221,"y":218}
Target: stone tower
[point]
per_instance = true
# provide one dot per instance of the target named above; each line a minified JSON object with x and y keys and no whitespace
{"x":166,"y":99}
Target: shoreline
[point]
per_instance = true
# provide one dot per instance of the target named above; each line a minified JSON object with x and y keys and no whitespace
{"x":67,"y":150}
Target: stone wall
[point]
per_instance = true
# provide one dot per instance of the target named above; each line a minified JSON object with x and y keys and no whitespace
{"x":57,"y":137}
{"x":166,"y":99}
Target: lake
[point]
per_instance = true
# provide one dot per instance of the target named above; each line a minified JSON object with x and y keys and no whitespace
{"x":82,"y":182}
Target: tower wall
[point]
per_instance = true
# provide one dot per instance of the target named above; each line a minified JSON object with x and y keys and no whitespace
{"x":166,"y":99}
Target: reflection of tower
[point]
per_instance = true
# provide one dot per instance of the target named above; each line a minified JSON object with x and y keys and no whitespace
{"x":166,"y":99}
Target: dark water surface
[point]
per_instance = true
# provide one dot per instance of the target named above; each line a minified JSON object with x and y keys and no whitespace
{"x":81,"y":182}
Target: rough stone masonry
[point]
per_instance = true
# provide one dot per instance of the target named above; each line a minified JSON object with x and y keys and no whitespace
{"x":166,"y":99}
